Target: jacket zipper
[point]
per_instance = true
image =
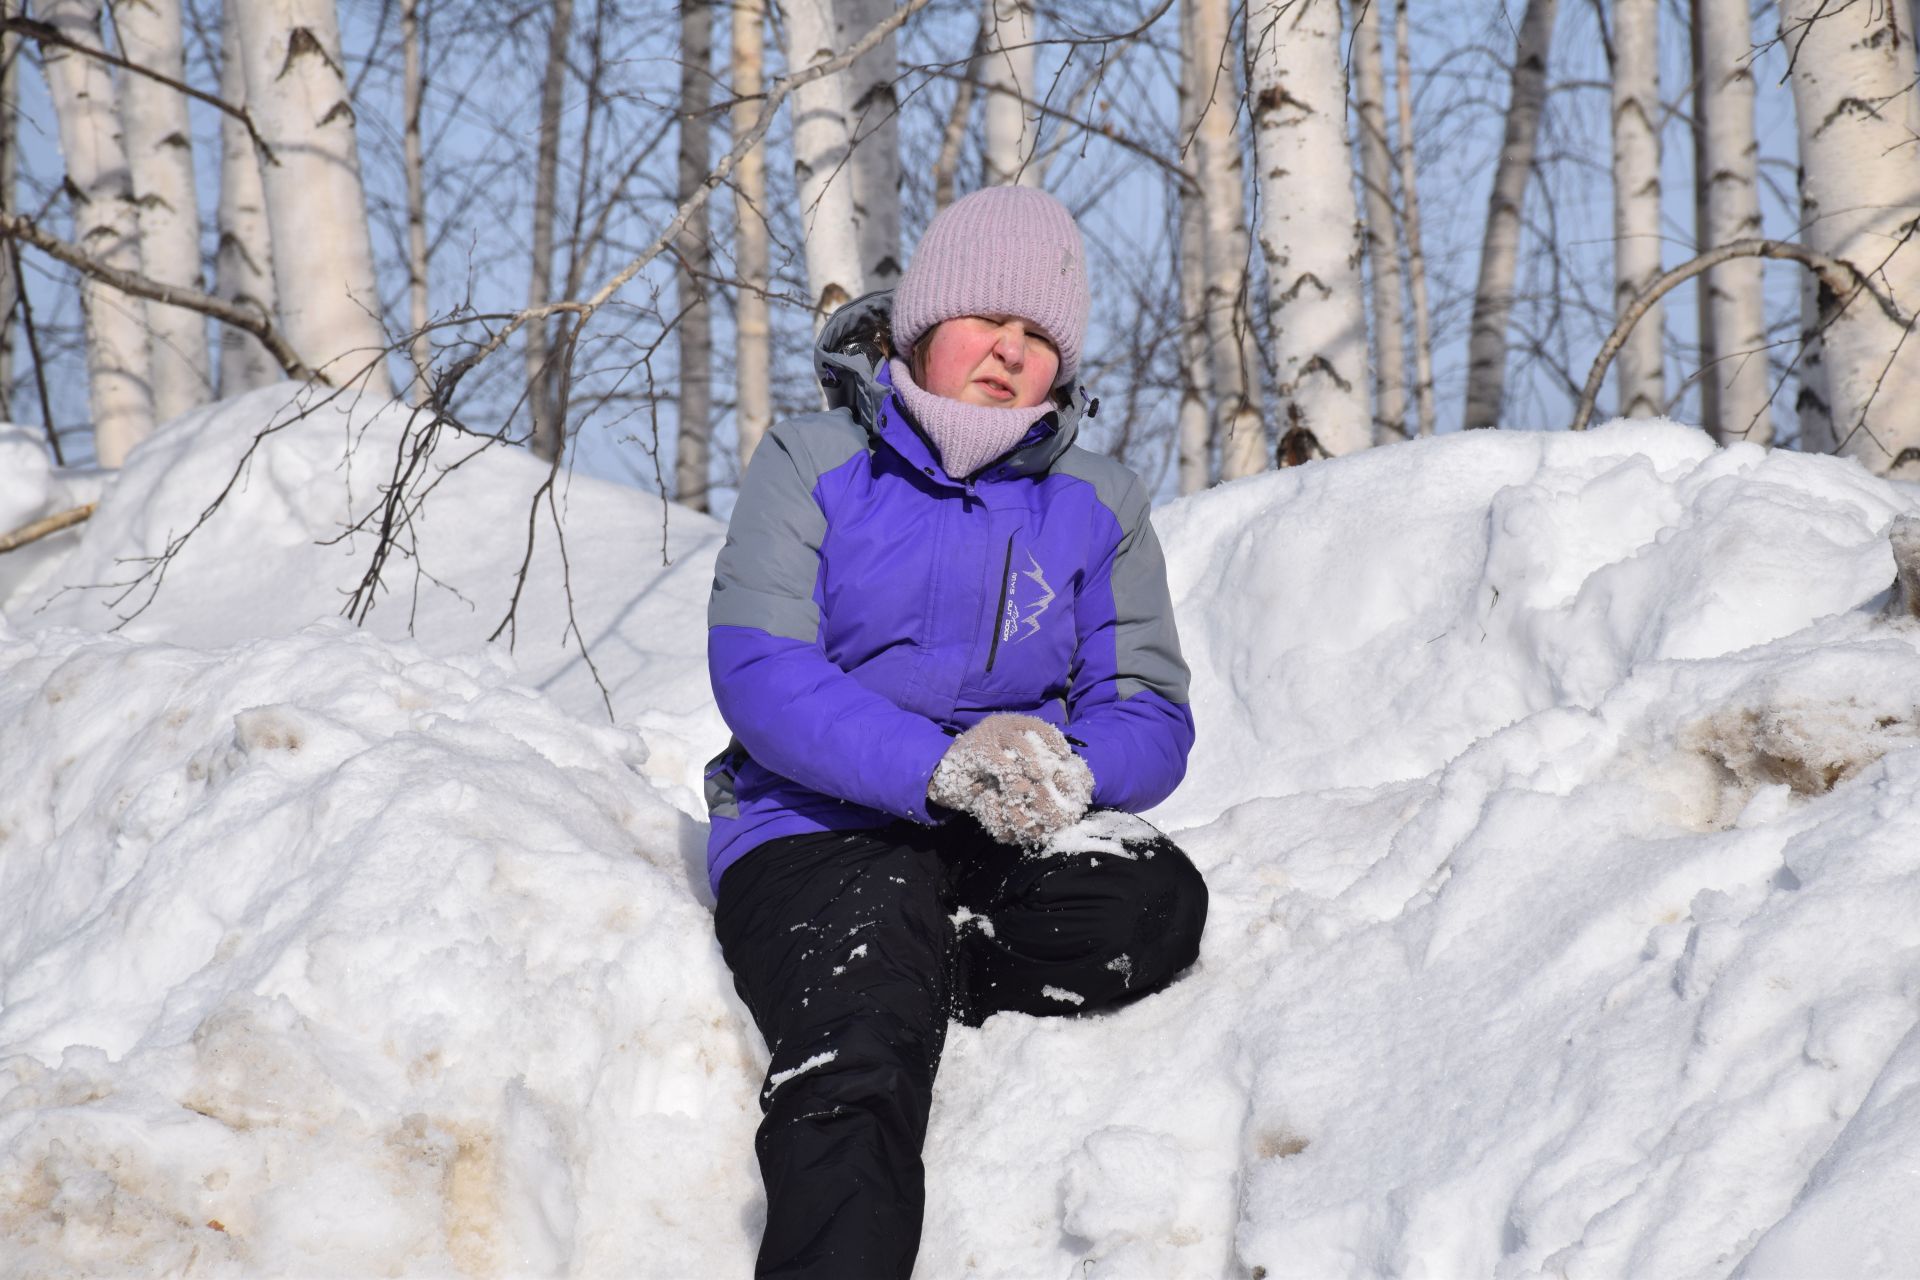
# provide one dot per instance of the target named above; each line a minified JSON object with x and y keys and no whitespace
{"x":1000,"y":614}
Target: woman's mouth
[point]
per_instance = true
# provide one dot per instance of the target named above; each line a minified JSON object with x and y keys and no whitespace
{"x":996,"y":388}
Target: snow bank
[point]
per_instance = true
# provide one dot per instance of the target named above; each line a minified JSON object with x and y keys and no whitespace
{"x":322,"y":956}
{"x":1558,"y":796}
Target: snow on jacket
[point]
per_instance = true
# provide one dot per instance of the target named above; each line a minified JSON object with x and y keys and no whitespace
{"x":867,"y":606}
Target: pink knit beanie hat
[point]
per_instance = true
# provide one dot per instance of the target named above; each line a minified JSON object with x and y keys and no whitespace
{"x":1001,"y":251}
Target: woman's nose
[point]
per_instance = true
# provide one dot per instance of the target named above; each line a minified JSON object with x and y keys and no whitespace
{"x":1010,"y":344}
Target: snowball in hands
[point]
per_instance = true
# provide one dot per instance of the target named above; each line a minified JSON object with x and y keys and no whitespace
{"x":1017,"y":776}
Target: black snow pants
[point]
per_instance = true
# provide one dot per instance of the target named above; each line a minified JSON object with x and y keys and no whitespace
{"x":852,"y":950}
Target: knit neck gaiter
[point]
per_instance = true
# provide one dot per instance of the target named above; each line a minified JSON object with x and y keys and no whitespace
{"x":966,"y":436}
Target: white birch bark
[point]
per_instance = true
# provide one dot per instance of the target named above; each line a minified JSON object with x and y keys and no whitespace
{"x":297,"y":88}
{"x":1309,"y":225}
{"x":1858,"y":113}
{"x":1222,"y":166}
{"x":876,"y":141}
{"x":1500,"y":249}
{"x":1195,"y":421}
{"x":1410,"y":209}
{"x":753,"y":332}
{"x":1383,"y":233}
{"x":694,"y":333}
{"x":119,"y":382}
{"x":1810,"y":405}
{"x":1007,"y":68}
{"x":820,"y":153}
{"x":159,"y":141}
{"x":243,"y":264}
{"x":1737,"y":356}
{"x":541,"y":404}
{"x":413,"y":92}
{"x":1636,"y":202}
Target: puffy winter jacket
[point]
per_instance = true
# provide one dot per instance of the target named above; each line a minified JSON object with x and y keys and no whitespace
{"x":867,"y":606}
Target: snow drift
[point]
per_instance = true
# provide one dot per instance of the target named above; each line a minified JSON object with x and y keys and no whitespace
{"x":1557,"y":795}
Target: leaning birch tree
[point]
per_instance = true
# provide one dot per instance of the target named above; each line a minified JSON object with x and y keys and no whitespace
{"x":821,"y":142}
{"x":1012,"y":132}
{"x":1309,"y":226}
{"x":1221,"y":170}
{"x":694,"y":332}
{"x":119,"y":381}
{"x":1736,"y":357}
{"x":1500,"y":247}
{"x":753,"y":330}
{"x":159,"y":140}
{"x":243,"y":262}
{"x":876,"y":141}
{"x":1636,"y":202}
{"x":1383,"y":232}
{"x":298,"y":91}
{"x":1858,"y":113}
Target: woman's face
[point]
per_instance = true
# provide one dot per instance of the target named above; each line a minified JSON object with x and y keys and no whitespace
{"x":998,"y":361}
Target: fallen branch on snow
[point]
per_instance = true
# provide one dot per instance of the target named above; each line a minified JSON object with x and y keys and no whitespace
{"x":43,"y":527}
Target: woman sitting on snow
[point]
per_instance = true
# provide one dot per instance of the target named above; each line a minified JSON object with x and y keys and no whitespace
{"x":940,"y":633}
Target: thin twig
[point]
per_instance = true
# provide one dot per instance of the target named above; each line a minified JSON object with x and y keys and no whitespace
{"x":33,"y":349}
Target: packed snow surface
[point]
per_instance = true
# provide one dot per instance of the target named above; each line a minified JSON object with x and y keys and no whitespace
{"x":1559,"y":797}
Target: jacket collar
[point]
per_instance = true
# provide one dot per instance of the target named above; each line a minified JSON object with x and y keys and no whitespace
{"x":849,"y":359}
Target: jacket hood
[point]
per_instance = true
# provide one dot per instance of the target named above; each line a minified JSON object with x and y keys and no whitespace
{"x":852,"y":350}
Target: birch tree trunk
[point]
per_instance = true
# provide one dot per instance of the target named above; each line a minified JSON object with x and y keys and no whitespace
{"x":160,"y":153}
{"x":876,"y":142}
{"x":820,"y":169}
{"x":1709,"y":376}
{"x":1636,"y":202}
{"x":1383,"y":235}
{"x":1410,"y":207}
{"x":1194,"y":419}
{"x":296,"y":83}
{"x":753,"y":334}
{"x":9,"y":171}
{"x":1500,"y":250}
{"x":953,"y":136}
{"x":414,"y":88}
{"x":119,"y":381}
{"x":1858,"y":113}
{"x":1222,"y":167}
{"x":1309,"y":225}
{"x":541,"y":404}
{"x":1737,"y":352}
{"x":695,"y":329}
{"x":1811,"y":405}
{"x":1007,"y":67}
{"x":243,"y":264}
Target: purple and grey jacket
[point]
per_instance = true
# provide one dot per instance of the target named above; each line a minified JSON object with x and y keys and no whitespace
{"x":867,"y":606}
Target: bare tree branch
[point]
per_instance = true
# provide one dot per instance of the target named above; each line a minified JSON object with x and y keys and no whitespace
{"x":1842,"y":278}
{"x":45,"y":33}
{"x":43,"y":527}
{"x":19,"y":227}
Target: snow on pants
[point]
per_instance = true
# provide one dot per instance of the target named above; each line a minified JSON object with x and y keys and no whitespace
{"x":852,"y":950}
